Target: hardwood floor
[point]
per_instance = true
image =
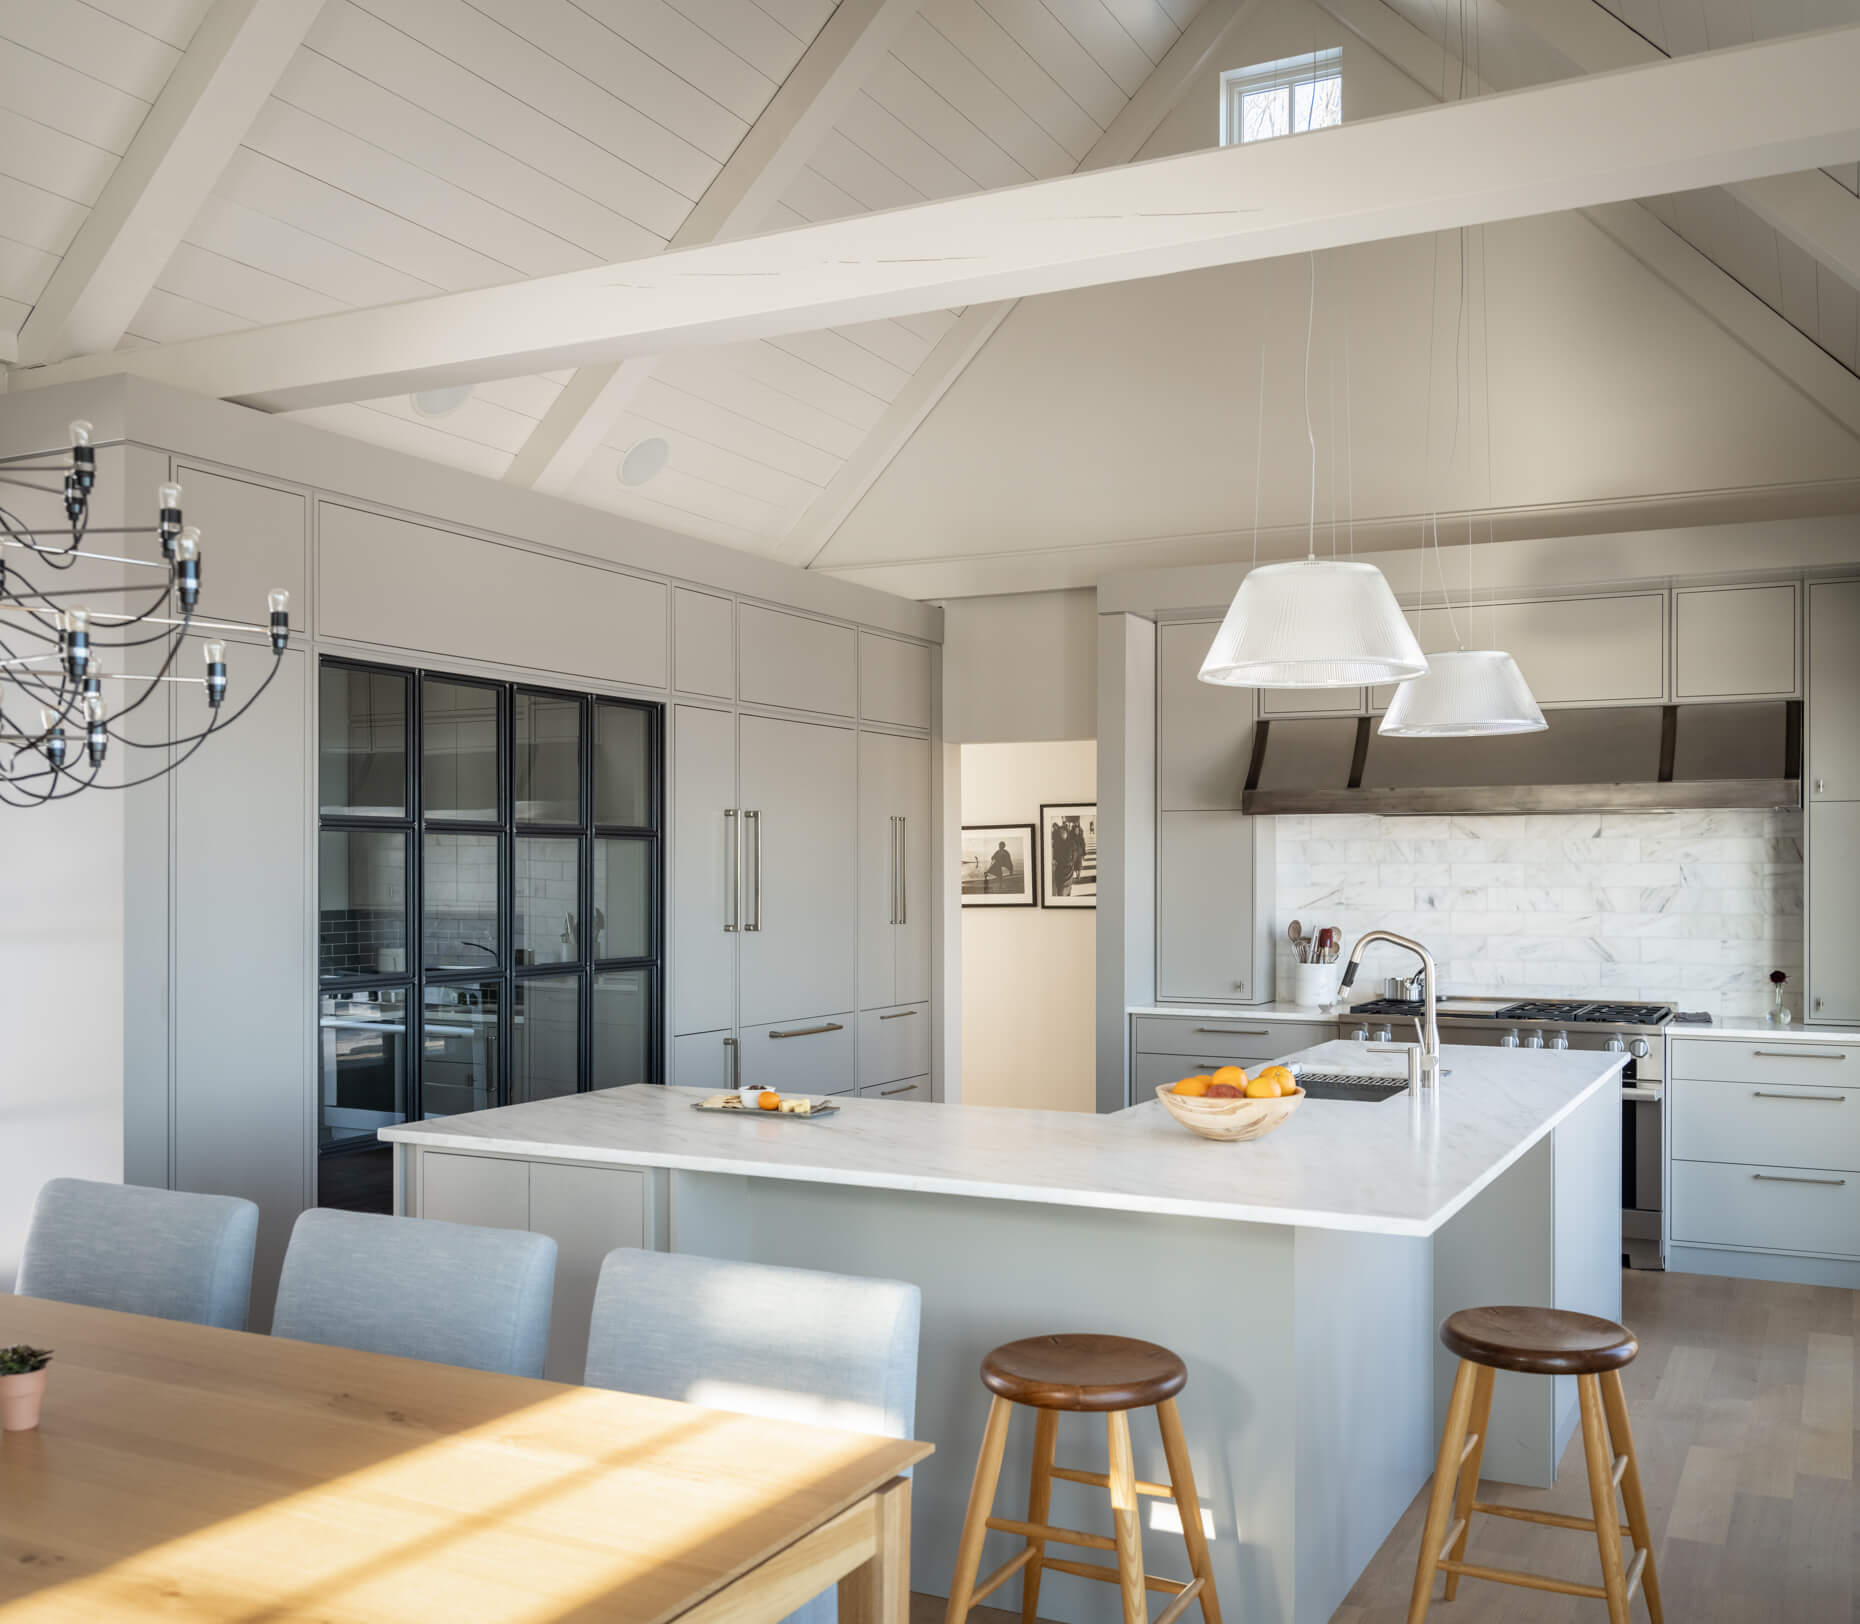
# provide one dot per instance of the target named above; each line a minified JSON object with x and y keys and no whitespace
{"x":1743,"y":1411}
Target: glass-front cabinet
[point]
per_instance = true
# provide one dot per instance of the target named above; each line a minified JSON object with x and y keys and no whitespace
{"x":490,"y":884}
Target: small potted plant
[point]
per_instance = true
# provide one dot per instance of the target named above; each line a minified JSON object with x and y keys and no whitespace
{"x":1779,"y":1011}
{"x":22,"y":1385}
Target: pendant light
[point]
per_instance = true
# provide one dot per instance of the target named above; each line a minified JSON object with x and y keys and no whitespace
{"x":1318,"y":622}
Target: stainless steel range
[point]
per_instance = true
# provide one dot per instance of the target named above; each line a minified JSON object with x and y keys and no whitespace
{"x":1634,"y":1029}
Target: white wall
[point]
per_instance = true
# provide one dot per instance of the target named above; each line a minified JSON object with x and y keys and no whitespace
{"x":1692,"y":907}
{"x":1021,"y":666}
{"x":1029,"y":975}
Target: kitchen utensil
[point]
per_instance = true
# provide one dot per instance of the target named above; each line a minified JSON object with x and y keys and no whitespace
{"x":1228,"y":1120}
{"x":1296,"y":933}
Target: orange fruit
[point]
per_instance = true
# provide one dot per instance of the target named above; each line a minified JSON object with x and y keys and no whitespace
{"x":1262,"y":1088}
{"x":1231,"y":1074}
{"x":1288,"y":1084}
{"x":1192,"y":1085}
{"x":768,"y":1100}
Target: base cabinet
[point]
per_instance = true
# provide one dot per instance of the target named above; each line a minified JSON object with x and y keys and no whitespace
{"x":1833,"y":909}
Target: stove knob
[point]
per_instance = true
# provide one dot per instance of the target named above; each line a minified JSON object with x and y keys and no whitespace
{"x":1385,"y":1034}
{"x":1559,"y":1040}
{"x":1534,"y":1041}
{"x":1360,"y":1035}
{"x":1615,"y":1044}
{"x":1638,"y":1048}
{"x":1509,"y":1040}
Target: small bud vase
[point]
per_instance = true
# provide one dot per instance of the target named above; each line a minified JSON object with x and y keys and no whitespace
{"x":1779,"y":1011}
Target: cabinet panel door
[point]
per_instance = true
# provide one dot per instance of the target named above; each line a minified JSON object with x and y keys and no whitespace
{"x":703,"y":644}
{"x":252,"y":537}
{"x":1833,"y":687}
{"x":1204,"y":906}
{"x":702,"y":1060}
{"x":894,"y":681}
{"x":1834,"y":911}
{"x":588,"y":1211}
{"x":878,"y":880}
{"x":914,"y":899}
{"x":489,"y":1190}
{"x":910,"y":1088}
{"x":1205,"y":733}
{"x":704,"y":872}
{"x":794,"y":662}
{"x":240,"y":976}
{"x":799,"y":947}
{"x":1734,"y":642}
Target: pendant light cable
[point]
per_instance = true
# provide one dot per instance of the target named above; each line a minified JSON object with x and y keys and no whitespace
{"x":1311,"y":433}
{"x":1259,"y":443}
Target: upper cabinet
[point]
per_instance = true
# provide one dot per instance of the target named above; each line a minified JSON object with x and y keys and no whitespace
{"x":703,"y":644}
{"x":1834,"y":691}
{"x":1205,"y":733}
{"x":894,"y":681}
{"x":1736,"y":642}
{"x":253,"y":537}
{"x":1310,"y":702}
{"x":796,"y":663}
{"x":408,"y":586}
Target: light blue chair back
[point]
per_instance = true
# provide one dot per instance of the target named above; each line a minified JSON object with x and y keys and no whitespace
{"x":455,"y":1294}
{"x":833,"y":1350}
{"x":167,"y":1253}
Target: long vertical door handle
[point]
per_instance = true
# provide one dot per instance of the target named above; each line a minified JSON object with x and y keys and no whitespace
{"x":754,"y":818}
{"x":891,"y":868}
{"x":733,"y":877}
{"x":904,"y":892}
{"x":733,"y":1062}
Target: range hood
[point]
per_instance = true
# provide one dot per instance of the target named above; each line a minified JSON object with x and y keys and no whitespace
{"x":1631,"y":758}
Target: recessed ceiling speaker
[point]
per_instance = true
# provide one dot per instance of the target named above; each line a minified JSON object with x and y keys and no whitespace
{"x":441,"y":402}
{"x":643,"y":461}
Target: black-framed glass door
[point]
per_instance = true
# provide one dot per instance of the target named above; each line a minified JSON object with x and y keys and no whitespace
{"x":491,"y":903}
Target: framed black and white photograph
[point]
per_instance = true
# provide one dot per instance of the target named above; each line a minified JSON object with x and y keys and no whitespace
{"x":999,"y":865}
{"x":1069,"y":855}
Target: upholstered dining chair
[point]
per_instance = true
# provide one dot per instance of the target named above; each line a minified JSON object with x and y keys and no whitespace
{"x":833,"y":1350}
{"x":167,"y":1253}
{"x":455,"y":1294}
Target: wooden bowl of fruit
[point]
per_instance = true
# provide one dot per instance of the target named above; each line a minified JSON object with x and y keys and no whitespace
{"x":1228,"y":1104}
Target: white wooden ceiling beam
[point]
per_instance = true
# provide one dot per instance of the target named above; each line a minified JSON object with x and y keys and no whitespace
{"x":1712,"y":119}
{"x":236,"y":56}
{"x":1155,"y":99}
{"x":843,"y":54}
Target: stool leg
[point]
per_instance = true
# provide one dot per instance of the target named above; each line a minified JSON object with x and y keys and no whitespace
{"x":1440,"y":1502}
{"x":1039,"y":1506}
{"x":1602,"y":1497}
{"x":1621,"y":1436}
{"x":1123,"y":1485}
{"x":981,"y":1503}
{"x":1469,"y":1473}
{"x":1188,"y":1507}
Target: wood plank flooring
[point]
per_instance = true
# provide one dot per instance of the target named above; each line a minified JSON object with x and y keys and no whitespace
{"x":1743,"y":1409}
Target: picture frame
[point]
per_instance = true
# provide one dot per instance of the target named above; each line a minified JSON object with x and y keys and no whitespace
{"x":1000,"y":865}
{"x":1069,"y":854}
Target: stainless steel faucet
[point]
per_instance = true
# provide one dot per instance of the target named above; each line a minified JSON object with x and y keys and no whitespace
{"x":1429,"y":1026}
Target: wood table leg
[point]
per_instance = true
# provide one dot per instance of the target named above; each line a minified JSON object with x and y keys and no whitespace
{"x":879,"y":1591}
{"x":1039,"y":1507}
{"x":1621,"y":1437}
{"x":1440,"y":1503}
{"x":1126,"y":1519}
{"x":1188,"y":1507}
{"x":1602,"y":1497}
{"x":981,"y":1503}
{"x":1480,"y":1419}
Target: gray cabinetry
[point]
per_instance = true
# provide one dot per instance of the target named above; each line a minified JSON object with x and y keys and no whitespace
{"x":705,"y":852}
{"x":703,"y":644}
{"x":894,"y":870}
{"x":1832,"y":771}
{"x":251,"y":540}
{"x":1833,"y":911}
{"x":894,"y":681}
{"x":795,"y":662}
{"x":1834,"y":691}
{"x":1205,"y":733}
{"x":1736,"y":642}
{"x":1213,"y":890}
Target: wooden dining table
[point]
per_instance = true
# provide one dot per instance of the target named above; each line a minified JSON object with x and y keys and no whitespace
{"x":185,"y":1473}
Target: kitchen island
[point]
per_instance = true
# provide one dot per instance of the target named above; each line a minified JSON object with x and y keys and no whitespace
{"x":1300,"y":1276}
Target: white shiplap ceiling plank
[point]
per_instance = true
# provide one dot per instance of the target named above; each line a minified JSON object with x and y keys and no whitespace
{"x":1110,"y":44}
{"x":862,"y":175}
{"x":1733,"y":238}
{"x":998,"y":54}
{"x":929,"y":326}
{"x":890,"y":341}
{"x":94,"y":43}
{"x":1147,"y":22}
{"x":814,"y":198}
{"x":258,"y":296}
{"x":611,"y":497}
{"x":980,"y":100}
{"x":24,"y":270}
{"x":1043,"y":37}
{"x":724,"y":376}
{"x":802,"y":18}
{"x":755,"y":35}
{"x":1838,"y":308}
{"x":419,"y":439}
{"x":53,"y":161}
{"x":794,"y":380}
{"x":576,"y":40}
{"x":675,"y":42}
{"x":685,"y":413}
{"x":531,"y":395}
{"x":74,"y":103}
{"x":479,"y":420}
{"x":846,"y":357}
{"x":173,"y":21}
{"x":717,"y":465}
{"x":927,"y":112}
{"x":167,"y":318}
{"x":1181,"y":12}
{"x":38,"y":217}
{"x":271,"y":244}
{"x":874,"y":127}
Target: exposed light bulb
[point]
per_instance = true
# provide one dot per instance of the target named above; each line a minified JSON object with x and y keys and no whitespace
{"x":214,"y":653}
{"x":278,"y":600}
{"x":48,"y":719}
{"x":80,"y":432}
{"x":188,"y":544}
{"x":168,"y":496}
{"x":93,"y":708}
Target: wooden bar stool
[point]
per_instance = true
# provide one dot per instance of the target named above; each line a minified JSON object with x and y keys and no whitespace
{"x":1111,"y":1375}
{"x":1539,"y":1342}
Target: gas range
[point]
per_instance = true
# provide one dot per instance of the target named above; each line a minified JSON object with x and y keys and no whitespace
{"x":1537,"y":1023}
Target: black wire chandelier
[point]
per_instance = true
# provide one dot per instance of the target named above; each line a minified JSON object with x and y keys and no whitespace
{"x":56,"y":726}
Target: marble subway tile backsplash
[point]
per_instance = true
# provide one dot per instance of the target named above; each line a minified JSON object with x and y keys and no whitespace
{"x":1695,"y":907}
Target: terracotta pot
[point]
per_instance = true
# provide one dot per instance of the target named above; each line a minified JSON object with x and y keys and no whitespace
{"x":19,"y":1401}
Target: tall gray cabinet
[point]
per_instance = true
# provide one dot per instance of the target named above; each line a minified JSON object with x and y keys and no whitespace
{"x":1832,"y":771}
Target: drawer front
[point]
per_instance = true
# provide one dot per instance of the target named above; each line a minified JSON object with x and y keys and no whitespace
{"x":1782,"y":1124}
{"x":1238,"y":1039}
{"x":815,"y":1054}
{"x":907,"y":1088}
{"x":1156,"y":1070}
{"x":893,"y":1043}
{"x":1769,"y":1209}
{"x":1746,"y":1060}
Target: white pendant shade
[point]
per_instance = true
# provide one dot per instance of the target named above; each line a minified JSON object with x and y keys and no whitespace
{"x":1317,"y":623}
{"x":1465,"y":694}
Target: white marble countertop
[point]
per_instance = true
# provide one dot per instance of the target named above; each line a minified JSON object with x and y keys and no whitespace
{"x":1390,"y":1168}
{"x":1746,"y":1030}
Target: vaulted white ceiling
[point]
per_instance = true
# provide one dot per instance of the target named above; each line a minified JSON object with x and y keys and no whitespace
{"x":414,"y":147}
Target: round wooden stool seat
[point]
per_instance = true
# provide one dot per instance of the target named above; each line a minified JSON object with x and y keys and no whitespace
{"x":1083,"y":1371}
{"x":1539,"y":1341}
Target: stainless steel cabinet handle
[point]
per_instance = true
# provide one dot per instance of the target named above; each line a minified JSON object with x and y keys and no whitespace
{"x":1779,"y":1178}
{"x":1233,"y":1031}
{"x":908,"y":1088}
{"x":810,"y":1031}
{"x":897,"y":1014}
{"x":904,"y":896}
{"x":755,"y":818}
{"x":1800,"y":1054}
{"x":891,"y":864}
{"x":734,"y":864}
{"x":1812,"y":1099}
{"x":733,"y":1061}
